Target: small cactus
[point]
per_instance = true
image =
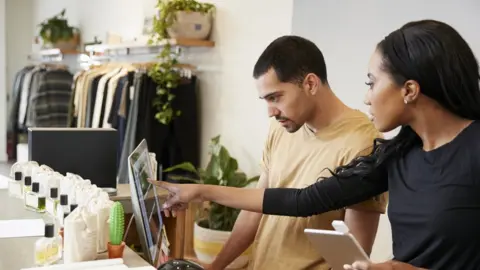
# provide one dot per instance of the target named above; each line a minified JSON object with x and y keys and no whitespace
{"x":116,"y":223}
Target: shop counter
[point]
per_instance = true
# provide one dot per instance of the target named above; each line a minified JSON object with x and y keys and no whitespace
{"x":17,"y":253}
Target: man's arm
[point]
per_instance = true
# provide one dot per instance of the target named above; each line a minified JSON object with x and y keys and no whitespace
{"x":243,"y":234}
{"x":363,"y":225}
{"x":363,"y":218}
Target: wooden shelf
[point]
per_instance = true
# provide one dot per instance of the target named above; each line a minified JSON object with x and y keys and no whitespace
{"x":184,"y":42}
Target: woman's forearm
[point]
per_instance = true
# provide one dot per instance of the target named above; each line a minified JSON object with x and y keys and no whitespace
{"x":250,"y":199}
{"x":323,"y":196}
{"x":320,"y":197}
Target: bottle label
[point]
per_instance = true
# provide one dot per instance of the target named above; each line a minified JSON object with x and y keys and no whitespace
{"x":60,"y":214}
{"x":51,"y":206}
{"x":40,"y":257}
{"x":49,"y":254}
{"x":15,"y":189}
{"x":31,"y":200}
{"x":53,"y":252}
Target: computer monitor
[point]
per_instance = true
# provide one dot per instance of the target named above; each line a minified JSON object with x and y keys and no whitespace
{"x":88,"y":152}
{"x":146,"y":203}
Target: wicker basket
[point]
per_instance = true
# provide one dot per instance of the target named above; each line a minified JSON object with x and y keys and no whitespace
{"x":191,"y":25}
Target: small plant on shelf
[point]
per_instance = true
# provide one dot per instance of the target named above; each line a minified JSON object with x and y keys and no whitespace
{"x":117,"y":229}
{"x":56,"y":29}
{"x":164,"y":73}
{"x":222,"y":170}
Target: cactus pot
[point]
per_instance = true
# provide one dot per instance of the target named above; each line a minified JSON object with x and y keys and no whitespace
{"x":115,"y":251}
{"x":116,"y":223}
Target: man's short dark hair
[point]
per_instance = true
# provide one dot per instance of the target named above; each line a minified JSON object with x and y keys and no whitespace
{"x":292,"y":58}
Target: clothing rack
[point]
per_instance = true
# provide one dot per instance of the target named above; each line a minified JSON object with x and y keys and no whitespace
{"x":120,"y":95}
{"x":49,"y":55}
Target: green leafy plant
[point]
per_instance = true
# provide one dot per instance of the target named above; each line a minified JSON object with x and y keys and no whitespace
{"x":56,"y":29}
{"x":164,"y":72}
{"x":116,"y":223}
{"x":222,"y":170}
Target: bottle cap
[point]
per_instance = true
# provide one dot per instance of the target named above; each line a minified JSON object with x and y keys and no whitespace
{"x":64,"y":199}
{"x":28,"y":180}
{"x":72,"y":207}
{"x":49,"y":230}
{"x":36,"y":187}
{"x":54,"y":193}
{"x":18,"y":176}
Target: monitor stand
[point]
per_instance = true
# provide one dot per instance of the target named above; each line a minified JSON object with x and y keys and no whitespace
{"x":110,"y":191}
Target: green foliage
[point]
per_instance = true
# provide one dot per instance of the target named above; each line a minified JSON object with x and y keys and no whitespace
{"x":56,"y":29}
{"x":164,"y":73}
{"x":116,"y":223}
{"x":222,"y":170}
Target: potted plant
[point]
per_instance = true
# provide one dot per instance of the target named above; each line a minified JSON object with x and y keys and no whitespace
{"x":212,"y":231}
{"x":117,"y":228}
{"x":184,"y":19}
{"x":176,"y":19}
{"x":56,"y":32}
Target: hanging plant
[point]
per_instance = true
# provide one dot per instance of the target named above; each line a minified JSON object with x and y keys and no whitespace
{"x":164,"y":73}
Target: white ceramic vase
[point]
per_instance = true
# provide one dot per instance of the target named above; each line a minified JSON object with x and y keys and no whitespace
{"x":208,"y":243}
{"x":191,"y":25}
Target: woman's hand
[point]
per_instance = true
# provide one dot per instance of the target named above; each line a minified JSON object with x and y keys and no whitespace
{"x":250,"y":199}
{"x":179,"y":196}
{"x":362,"y":265}
{"x":389,"y":265}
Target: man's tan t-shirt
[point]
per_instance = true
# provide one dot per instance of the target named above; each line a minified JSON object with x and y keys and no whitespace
{"x":296,"y":160}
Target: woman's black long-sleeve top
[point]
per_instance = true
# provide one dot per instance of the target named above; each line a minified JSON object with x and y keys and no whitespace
{"x":434,"y":202}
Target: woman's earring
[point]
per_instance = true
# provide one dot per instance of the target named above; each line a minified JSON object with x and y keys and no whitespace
{"x":406,"y":101}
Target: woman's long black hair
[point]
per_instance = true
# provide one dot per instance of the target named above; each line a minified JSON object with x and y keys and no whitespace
{"x":440,"y":60}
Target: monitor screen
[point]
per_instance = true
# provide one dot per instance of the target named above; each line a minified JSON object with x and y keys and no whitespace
{"x":88,"y":152}
{"x":146,"y":203}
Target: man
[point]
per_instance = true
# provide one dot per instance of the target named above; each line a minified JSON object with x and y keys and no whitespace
{"x":313,"y":130}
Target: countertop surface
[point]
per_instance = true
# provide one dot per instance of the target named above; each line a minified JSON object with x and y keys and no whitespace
{"x":17,"y":253}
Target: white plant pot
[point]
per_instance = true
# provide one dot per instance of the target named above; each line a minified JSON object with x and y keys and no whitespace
{"x":191,"y":25}
{"x":208,"y":243}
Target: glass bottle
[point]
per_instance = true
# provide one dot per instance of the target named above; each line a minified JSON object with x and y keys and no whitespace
{"x":34,"y":200}
{"x":15,"y":186}
{"x":52,"y":201}
{"x":62,"y":208}
{"x":27,"y":184}
{"x":47,"y":248}
{"x":16,"y":167}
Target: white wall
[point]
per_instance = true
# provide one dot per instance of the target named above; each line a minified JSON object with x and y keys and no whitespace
{"x":230,"y":104}
{"x":19,"y":35}
{"x":347,"y":32}
{"x":3,"y":84}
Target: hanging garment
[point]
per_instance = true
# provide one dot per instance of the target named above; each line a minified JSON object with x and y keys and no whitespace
{"x":14,"y":102}
{"x":100,"y":98}
{"x":109,"y":97}
{"x":130,"y":132}
{"x":49,"y":98}
{"x":92,"y":93}
{"x":176,"y":142}
{"x":114,"y":120}
{"x":24,"y":97}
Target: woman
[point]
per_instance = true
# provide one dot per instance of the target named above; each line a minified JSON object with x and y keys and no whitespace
{"x":423,"y":77}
